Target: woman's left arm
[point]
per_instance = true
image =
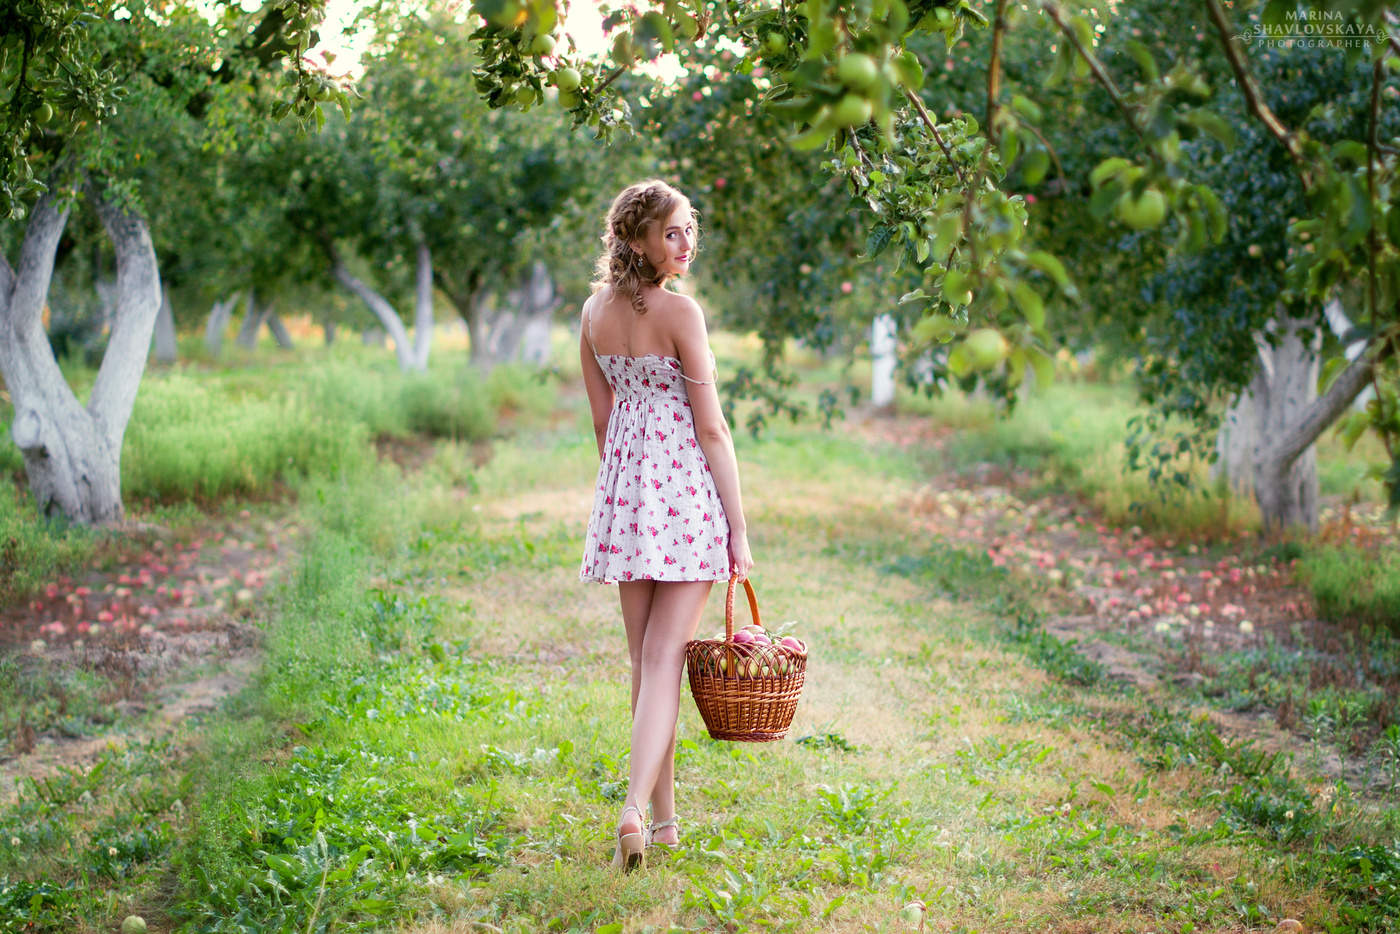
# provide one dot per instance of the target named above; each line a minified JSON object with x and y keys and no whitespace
{"x":600,"y":395}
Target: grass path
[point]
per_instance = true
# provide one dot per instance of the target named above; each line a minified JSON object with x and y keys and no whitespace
{"x":436,"y":742}
{"x":931,"y":760}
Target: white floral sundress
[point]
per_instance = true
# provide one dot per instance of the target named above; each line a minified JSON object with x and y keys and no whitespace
{"x":656,"y":513}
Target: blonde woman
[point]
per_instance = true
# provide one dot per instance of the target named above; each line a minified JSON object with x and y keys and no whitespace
{"x":667,"y":516}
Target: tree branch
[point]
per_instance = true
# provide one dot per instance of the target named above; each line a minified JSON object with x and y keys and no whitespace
{"x":36,"y":259}
{"x":1100,"y":73}
{"x":1372,"y":248}
{"x":138,"y":302}
{"x":933,"y":128}
{"x":1325,"y":409}
{"x":994,"y":70}
{"x":1252,"y":96}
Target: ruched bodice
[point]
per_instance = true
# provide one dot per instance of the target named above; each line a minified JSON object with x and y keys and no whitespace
{"x":656,"y":513}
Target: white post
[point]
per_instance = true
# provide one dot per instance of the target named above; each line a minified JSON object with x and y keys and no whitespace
{"x":883,"y":360}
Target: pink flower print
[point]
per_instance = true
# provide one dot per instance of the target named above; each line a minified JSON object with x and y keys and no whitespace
{"x":704,"y":565}
{"x":691,"y":490}
{"x":692,"y":442}
{"x":670,"y":560}
{"x":689,"y":539}
{"x":676,"y":416}
{"x":672,"y":511}
{"x":653,"y":531}
{"x":676,"y":465}
{"x":656,"y":484}
{"x":705,"y":516}
{"x":608,"y":500}
{"x":627,"y":575}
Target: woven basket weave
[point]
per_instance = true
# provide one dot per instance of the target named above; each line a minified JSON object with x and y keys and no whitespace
{"x":745,"y":692}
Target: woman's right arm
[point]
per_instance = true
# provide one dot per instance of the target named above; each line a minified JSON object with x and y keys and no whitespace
{"x":711,"y":430}
{"x":600,"y":395}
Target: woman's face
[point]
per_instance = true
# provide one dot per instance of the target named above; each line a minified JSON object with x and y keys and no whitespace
{"x":669,"y":243}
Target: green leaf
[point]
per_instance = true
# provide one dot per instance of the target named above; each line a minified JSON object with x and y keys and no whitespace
{"x":946,"y":234}
{"x":1208,"y":121}
{"x":1143,"y":57}
{"x":1034,"y":168}
{"x":287,"y":867}
{"x":1049,"y":264}
{"x":1026,"y":108}
{"x":1107,"y":169}
{"x":655,"y":29}
{"x":812,"y":138}
{"x":909,"y":71}
{"x":1349,"y":150}
{"x":1043,"y":365}
{"x":1030,"y":303}
{"x":1352,"y":426}
{"x":1010,"y":145}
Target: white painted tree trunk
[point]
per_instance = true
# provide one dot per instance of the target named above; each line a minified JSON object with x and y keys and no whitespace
{"x":883,"y":361}
{"x":72,"y":453}
{"x":382,"y":310}
{"x":214,"y":328}
{"x":277,"y":328}
{"x":1265,"y":445}
{"x":252,"y":323}
{"x":521,"y":330}
{"x":165,"y":347}
{"x":423,"y":309}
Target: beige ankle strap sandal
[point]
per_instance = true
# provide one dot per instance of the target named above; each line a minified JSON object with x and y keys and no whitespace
{"x":662,"y":825}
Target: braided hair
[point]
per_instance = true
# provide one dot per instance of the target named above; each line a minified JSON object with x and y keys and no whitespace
{"x":634,"y":210}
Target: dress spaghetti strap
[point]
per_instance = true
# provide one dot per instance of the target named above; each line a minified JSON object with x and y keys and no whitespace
{"x":701,"y":382}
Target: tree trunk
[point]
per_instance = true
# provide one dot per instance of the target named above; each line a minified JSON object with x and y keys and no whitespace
{"x":379,"y":306}
{"x":541,"y":300}
{"x":278,"y":329}
{"x":1265,"y":444}
{"x":472,"y":301}
{"x":883,"y":361}
{"x":329,"y":327}
{"x":72,"y":453}
{"x":252,"y":323}
{"x":217,"y":324}
{"x":423,"y":310}
{"x":166,"y":349}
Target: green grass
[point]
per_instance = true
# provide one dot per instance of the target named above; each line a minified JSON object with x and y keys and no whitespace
{"x":34,"y":551}
{"x":1351,"y":583}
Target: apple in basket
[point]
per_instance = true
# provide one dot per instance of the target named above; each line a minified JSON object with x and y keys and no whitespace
{"x":794,"y":644}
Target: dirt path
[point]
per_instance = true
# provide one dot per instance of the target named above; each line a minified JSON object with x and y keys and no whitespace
{"x":1154,"y":612}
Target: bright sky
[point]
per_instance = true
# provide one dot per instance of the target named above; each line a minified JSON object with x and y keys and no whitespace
{"x":583,"y":21}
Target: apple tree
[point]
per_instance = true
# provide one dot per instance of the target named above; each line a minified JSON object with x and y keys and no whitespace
{"x":936,"y":188}
{"x":71,"y":74}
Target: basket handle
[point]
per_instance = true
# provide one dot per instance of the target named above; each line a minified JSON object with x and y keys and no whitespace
{"x":729,"y":607}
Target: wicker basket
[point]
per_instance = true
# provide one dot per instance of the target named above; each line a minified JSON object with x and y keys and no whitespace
{"x":745,"y":692}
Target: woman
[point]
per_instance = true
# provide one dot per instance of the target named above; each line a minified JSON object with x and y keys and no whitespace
{"x":667,"y":517}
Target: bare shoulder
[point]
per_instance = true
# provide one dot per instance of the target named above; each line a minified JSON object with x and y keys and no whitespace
{"x":683,"y":313}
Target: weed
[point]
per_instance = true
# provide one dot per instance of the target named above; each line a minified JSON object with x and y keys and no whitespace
{"x":1352,"y":585}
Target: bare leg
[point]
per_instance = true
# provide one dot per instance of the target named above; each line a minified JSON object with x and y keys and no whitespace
{"x":673,"y":614}
{"x":636,"y":597}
